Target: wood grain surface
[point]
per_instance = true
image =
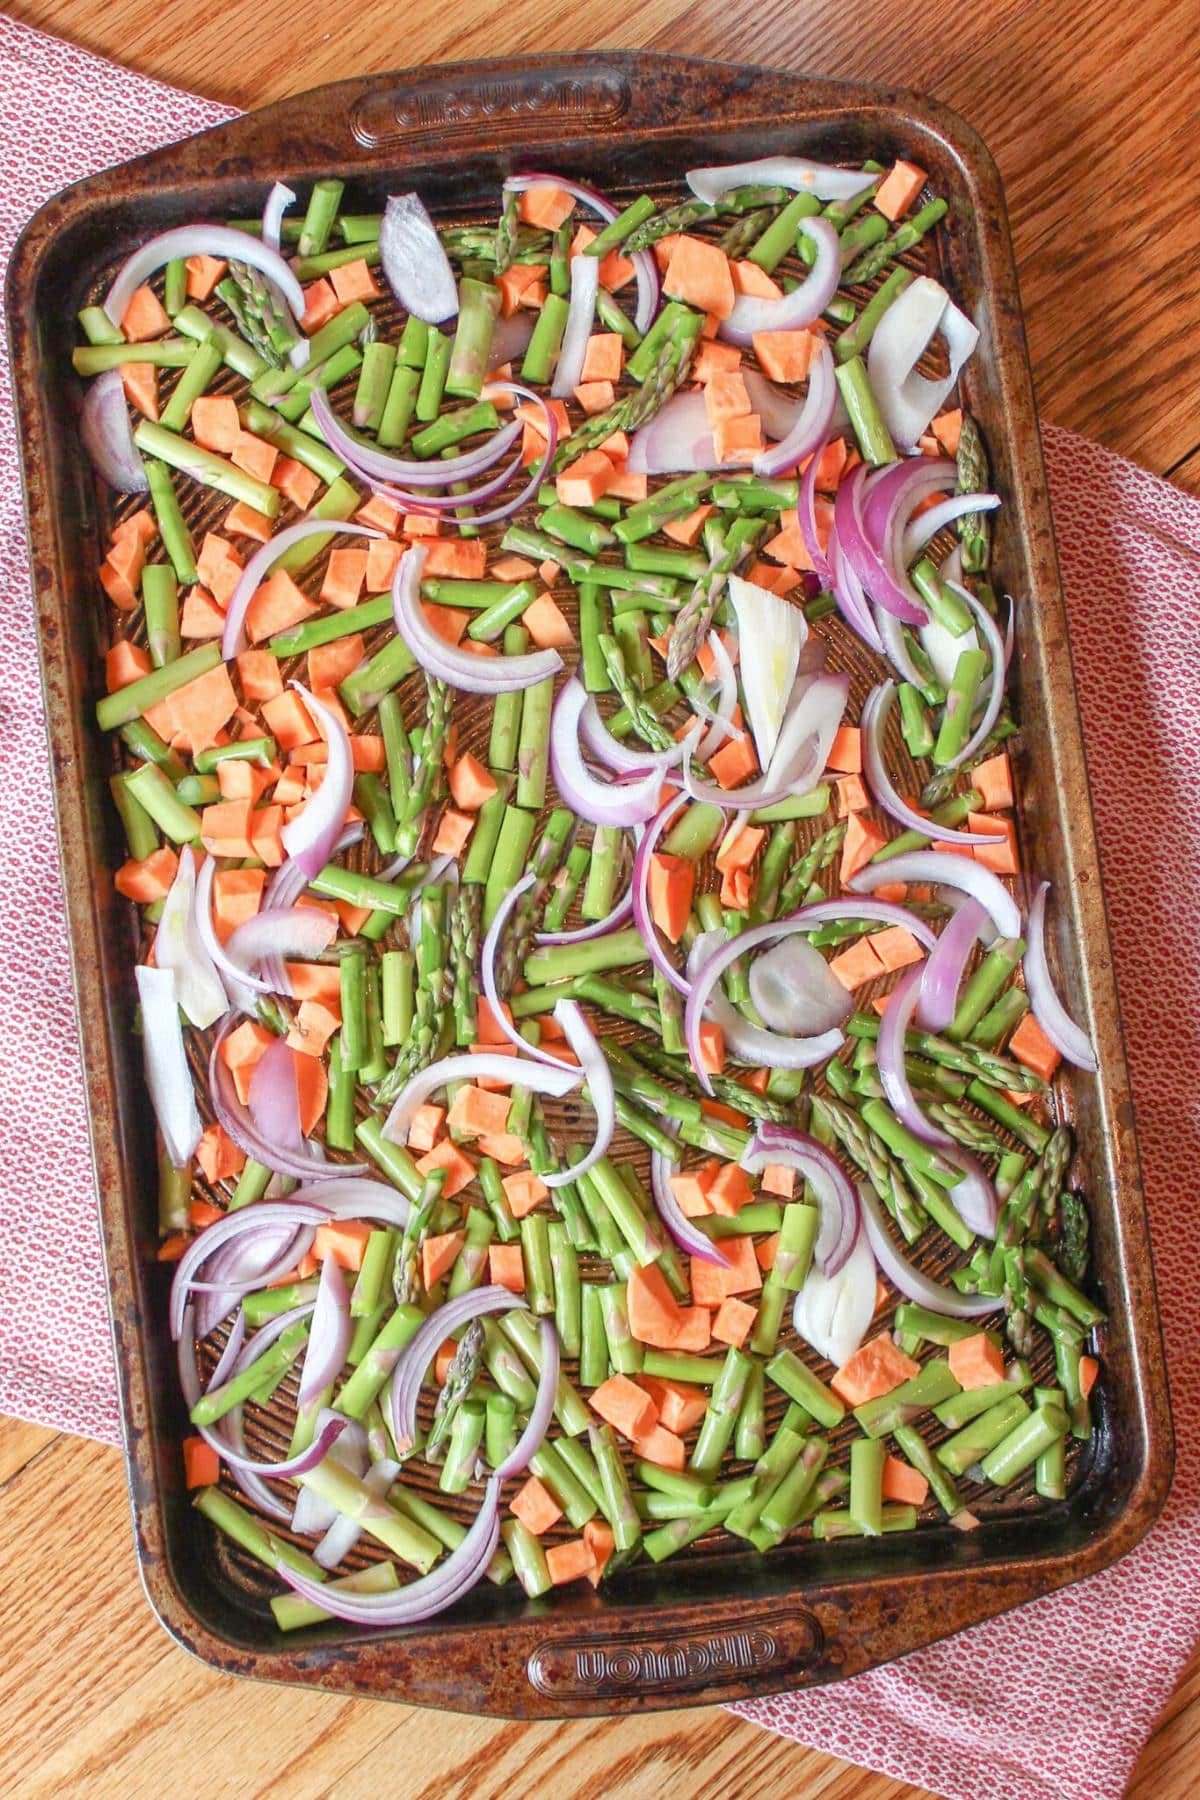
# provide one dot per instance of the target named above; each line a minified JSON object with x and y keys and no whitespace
{"x":1090,"y":109}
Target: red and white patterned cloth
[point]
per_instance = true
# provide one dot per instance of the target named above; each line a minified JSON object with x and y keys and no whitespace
{"x":1053,"y":1700}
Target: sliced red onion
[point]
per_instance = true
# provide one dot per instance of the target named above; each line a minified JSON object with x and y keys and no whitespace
{"x":974,"y":1197}
{"x":487,"y":965}
{"x":863,"y":557}
{"x":541,"y":1077}
{"x":951,"y":869}
{"x":794,"y":991}
{"x":511,"y":338}
{"x":277,"y":203}
{"x":263,"y":1216}
{"x":423,"y":1346}
{"x":420,"y":1599}
{"x":582,"y":934}
{"x":246,"y":1263}
{"x":803,"y":305}
{"x":237,"y":1123}
{"x":891,"y":494}
{"x":275,"y":1096}
{"x":677,"y":440}
{"x":230,"y":1354}
{"x":893,"y":1025}
{"x":542,"y":1410}
{"x":943,"y":972}
{"x":727,"y":695}
{"x":107,"y":437}
{"x":644,"y":266}
{"x":596,"y":737}
{"x":229,"y":1434}
{"x":806,"y":513}
{"x":600,"y":802}
{"x":298,"y":933}
{"x":329,"y":1335}
{"x":1068,"y":1038}
{"x":597,"y":1075}
{"x":357,"y":1197}
{"x":310,"y":836}
{"x":167,"y":1075}
{"x":706,"y":965}
{"x":286,"y":885}
{"x":380,"y":465}
{"x":772,"y":633}
{"x":919,"y":531}
{"x":684,"y":1232}
{"x":999,"y":651}
{"x":240,"y":986}
{"x":777,"y":411}
{"x":640,"y":890}
{"x":894,"y":647}
{"x":834,"y":1313}
{"x":875,"y":712}
{"x":849,"y":906}
{"x":908,"y":401}
{"x":811,"y":428}
{"x":233,"y":639}
{"x":458,"y":668}
{"x":327,"y":1434}
{"x":853,"y":604}
{"x":585,"y":284}
{"x":220,"y":241}
{"x":823,"y":180}
{"x":179,"y":947}
{"x":910,"y":1281}
{"x":413,"y":260}
{"x":313,"y":1514}
{"x":829,"y":1181}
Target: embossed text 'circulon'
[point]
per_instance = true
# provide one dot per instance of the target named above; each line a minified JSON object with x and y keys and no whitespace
{"x":677,"y":1661}
{"x":596,"y":96}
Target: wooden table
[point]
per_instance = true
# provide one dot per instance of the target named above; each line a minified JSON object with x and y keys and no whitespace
{"x":1089,"y":107}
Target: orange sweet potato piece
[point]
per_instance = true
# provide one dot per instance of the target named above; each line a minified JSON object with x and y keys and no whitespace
{"x":144,"y":316}
{"x":329,"y":664}
{"x":474,"y":1112}
{"x":454,"y":829}
{"x":570,"y":1561}
{"x":461,"y":559}
{"x":975,"y":1362}
{"x":624,"y":1405}
{"x":595,"y":396}
{"x":856,"y":964}
{"x":140,"y":381}
{"x":150,"y":879}
{"x":439,"y":1255}
{"x":314,"y":1025}
{"x":599,"y":1539}
{"x":198,"y":710}
{"x":545,"y":206}
{"x":460,"y":1170}
{"x":524,"y":1191}
{"x":660,"y":1446}
{"x":653,"y":1313}
{"x":672,"y":883}
{"x":726,"y":397}
{"x":425,"y":1126}
{"x":124,"y":663}
{"x":547,"y":625}
{"x":585,"y":480}
{"x":320,"y":304}
{"x":506,"y":1267}
{"x":845,"y":752}
{"x":699,"y":273}
{"x":1001,"y":857}
{"x":201,"y":1464}
{"x":873,"y":1370}
{"x":470,"y":783}
{"x":861,"y":842}
{"x":896,"y":947}
{"x":236,"y":897}
{"x":784,"y":355}
{"x":345,"y":1240}
{"x":738,"y":440}
{"x":903,"y":1483}
{"x":295,"y":482}
{"x":535,"y":1506}
{"x":215,"y":422}
{"x":733,"y":1321}
{"x":200,"y":616}
{"x":898,"y":189}
{"x":1030,"y":1045}
{"x":353,"y":281}
{"x":203,"y":274}
{"x":680,"y":1405}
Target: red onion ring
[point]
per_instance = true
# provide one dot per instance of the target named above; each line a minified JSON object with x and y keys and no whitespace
{"x":769,"y":1048}
{"x":640,"y":892}
{"x":1068,"y":1038}
{"x":422,"y":1347}
{"x":600,"y":802}
{"x":876,"y":708}
{"x":309,"y":838}
{"x":678,"y":439}
{"x":807,"y":517}
{"x":458,"y":668}
{"x":911,"y":1282}
{"x":585,"y":284}
{"x":798,"y":309}
{"x":231,"y":1436}
{"x":893,"y":1024}
{"x":853,"y":604}
{"x":543,"y":1077}
{"x":233,"y":639}
{"x":838,"y":1205}
{"x":825,"y":180}
{"x":999,"y":651}
{"x":596,"y":737}
{"x":686,"y":1235}
{"x":811,"y":428}
{"x":918,"y":532}
{"x":721,"y":727}
{"x":974,"y":1197}
{"x":601,"y":1094}
{"x":380,"y":465}
{"x":298,"y":933}
{"x":542,"y":1410}
{"x":236,"y":1122}
{"x":644,"y":266}
{"x":277,"y":203}
{"x":420,"y":1599}
{"x":943,"y":972}
{"x":263,"y":1215}
{"x":329,"y":1334}
{"x":947,"y":868}
{"x":107,"y":438}
{"x":220,"y":241}
{"x":179,"y":947}
{"x":864,"y":558}
{"x":908,"y":401}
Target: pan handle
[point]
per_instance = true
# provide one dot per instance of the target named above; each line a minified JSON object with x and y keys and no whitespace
{"x":496,"y":102}
{"x":715,"y":1658}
